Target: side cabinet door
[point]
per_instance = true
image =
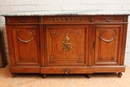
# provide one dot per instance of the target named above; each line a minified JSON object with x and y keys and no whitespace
{"x":26,"y":45}
{"x":66,"y":45}
{"x":108,"y":44}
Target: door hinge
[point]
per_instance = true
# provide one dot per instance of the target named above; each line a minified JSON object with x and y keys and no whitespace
{"x":93,"y":44}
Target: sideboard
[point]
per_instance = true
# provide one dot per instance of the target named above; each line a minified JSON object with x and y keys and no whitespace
{"x":67,"y":44}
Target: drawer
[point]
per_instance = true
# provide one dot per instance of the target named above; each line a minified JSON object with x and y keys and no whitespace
{"x":65,"y":20}
{"x":22,"y":19}
{"x":110,"y":19}
{"x":66,"y":70}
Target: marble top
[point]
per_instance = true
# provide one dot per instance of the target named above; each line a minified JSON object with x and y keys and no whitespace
{"x":51,"y":13}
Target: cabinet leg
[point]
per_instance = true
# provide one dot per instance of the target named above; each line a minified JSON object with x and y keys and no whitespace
{"x":13,"y":75}
{"x":44,"y":76}
{"x":119,"y":74}
{"x":88,"y":76}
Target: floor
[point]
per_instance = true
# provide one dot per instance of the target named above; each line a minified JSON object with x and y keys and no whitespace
{"x":36,"y":80}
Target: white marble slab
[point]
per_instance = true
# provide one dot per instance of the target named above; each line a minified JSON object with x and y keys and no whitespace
{"x":49,"y":13}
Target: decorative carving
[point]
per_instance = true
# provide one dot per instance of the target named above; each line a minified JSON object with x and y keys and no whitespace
{"x":21,"y":59}
{"x":66,"y":44}
{"x":112,"y":58}
{"x":66,"y":70}
{"x":7,"y":20}
{"x":108,"y":19}
{"x":53,"y":32}
{"x":40,"y":19}
{"x":23,"y":19}
{"x":112,"y":32}
{"x":52,"y":59}
{"x":100,"y":58}
{"x":79,"y":60}
{"x":91,"y":19}
{"x":27,"y":32}
{"x":66,"y":19}
{"x":125,"y":19}
{"x":33,"y":59}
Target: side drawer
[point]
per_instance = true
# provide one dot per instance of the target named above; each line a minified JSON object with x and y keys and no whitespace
{"x":22,"y":19}
{"x":110,"y":18}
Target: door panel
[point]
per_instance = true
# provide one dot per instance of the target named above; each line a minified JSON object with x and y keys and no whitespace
{"x":66,"y":45}
{"x":26,"y":44}
{"x":107,"y":44}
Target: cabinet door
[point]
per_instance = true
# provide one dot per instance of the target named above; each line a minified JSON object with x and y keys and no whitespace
{"x":108,"y":44}
{"x":66,"y":45}
{"x":25,"y":39}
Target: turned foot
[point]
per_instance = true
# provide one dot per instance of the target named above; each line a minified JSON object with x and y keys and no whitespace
{"x":13,"y":75}
{"x":119,"y":74}
{"x":44,"y":76}
{"x":88,"y":76}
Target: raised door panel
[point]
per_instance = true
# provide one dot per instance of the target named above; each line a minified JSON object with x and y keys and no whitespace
{"x":26,"y":45}
{"x":107,"y":49}
{"x":66,"y":45}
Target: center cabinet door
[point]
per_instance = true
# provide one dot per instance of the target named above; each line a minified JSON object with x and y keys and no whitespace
{"x":66,"y":45}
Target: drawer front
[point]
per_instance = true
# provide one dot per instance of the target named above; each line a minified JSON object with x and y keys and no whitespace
{"x":22,"y":19}
{"x":66,"y":70}
{"x":64,"y":20}
{"x":110,"y":19}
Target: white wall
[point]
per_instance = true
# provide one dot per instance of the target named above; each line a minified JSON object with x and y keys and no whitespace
{"x":25,"y":5}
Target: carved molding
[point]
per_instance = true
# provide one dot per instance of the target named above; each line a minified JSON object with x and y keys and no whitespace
{"x":25,"y":41}
{"x":23,"y":20}
{"x":66,"y":19}
{"x":108,"y":40}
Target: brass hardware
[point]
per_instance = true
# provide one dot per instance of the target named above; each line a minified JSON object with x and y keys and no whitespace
{"x":23,"y":20}
{"x":33,"y":59}
{"x":25,"y":41}
{"x":108,"y":19}
{"x":66,"y":70}
{"x":93,"y":44}
{"x":40,"y":19}
{"x":7,"y":20}
{"x":66,"y":44}
{"x":107,"y":40}
{"x":112,"y":58}
{"x":39,"y":45}
{"x":79,"y":60}
{"x":45,"y":46}
{"x":100,"y":58}
{"x":21,"y":59}
{"x":125,"y":19}
{"x":91,"y":19}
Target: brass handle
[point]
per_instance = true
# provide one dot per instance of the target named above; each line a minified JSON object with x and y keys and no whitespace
{"x":25,"y":41}
{"x":23,"y":20}
{"x":107,"y":40}
{"x":109,"y":20}
{"x":66,"y":70}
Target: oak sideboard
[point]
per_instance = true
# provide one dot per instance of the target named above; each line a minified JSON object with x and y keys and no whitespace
{"x":67,"y":43}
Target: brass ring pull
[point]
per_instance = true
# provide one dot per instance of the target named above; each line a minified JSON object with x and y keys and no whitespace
{"x":109,"y":19}
{"x":107,"y":40}
{"x":23,"y":20}
{"x":25,"y":41}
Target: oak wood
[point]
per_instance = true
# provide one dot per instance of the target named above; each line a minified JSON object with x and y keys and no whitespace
{"x":67,"y":44}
